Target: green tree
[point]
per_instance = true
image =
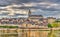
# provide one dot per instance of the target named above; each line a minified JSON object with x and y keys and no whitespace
{"x":49,"y":25}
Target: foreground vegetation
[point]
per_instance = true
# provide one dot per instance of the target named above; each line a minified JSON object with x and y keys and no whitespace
{"x":8,"y":26}
{"x":54,"y":24}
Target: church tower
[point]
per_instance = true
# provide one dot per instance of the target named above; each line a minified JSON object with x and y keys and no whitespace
{"x":29,"y":13}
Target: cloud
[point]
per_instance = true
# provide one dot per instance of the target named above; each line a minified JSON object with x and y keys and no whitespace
{"x":44,"y":7}
{"x":38,"y":4}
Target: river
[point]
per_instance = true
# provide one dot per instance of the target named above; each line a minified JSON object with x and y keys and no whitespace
{"x":29,"y":33}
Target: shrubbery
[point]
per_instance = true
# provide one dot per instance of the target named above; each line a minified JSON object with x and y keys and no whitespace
{"x":53,"y":25}
{"x":8,"y":26}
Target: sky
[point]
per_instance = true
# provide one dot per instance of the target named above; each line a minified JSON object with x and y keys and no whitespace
{"x":39,"y":7}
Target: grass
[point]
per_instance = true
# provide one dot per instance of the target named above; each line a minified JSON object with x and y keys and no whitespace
{"x":8,"y":26}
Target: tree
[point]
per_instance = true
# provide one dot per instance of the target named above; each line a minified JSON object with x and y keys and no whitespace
{"x":49,"y":25}
{"x":54,"y":25}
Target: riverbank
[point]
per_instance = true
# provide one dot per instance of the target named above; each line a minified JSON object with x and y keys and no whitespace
{"x":18,"y":29}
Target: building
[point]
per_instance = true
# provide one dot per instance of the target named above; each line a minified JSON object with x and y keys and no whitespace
{"x":44,"y":22}
{"x":34,"y":17}
{"x":51,"y":19}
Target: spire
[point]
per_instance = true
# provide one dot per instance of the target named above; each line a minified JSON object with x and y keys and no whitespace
{"x":29,"y":13}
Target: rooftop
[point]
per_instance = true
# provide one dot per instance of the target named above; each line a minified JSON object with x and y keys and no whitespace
{"x":51,"y":18}
{"x":36,"y":15}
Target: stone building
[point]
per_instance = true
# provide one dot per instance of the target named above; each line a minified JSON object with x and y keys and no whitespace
{"x":51,"y":19}
{"x":34,"y":17}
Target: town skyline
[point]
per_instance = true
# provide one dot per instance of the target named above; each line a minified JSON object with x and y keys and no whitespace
{"x":29,"y":18}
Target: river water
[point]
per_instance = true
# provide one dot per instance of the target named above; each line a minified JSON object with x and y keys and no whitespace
{"x":29,"y":33}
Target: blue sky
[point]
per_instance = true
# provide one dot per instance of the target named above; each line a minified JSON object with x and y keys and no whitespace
{"x":39,"y":7}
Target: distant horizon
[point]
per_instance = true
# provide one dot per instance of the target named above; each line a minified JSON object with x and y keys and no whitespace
{"x":21,"y":16}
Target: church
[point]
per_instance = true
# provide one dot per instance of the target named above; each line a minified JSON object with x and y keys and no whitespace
{"x":34,"y":17}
